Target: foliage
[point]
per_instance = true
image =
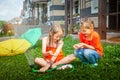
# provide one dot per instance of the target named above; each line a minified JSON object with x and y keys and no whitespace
{"x":2,"y":23}
{"x":76,"y":15}
{"x":17,"y":67}
{"x":76,"y":26}
{"x":7,"y":30}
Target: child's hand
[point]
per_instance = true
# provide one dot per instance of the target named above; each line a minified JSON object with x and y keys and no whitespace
{"x":76,"y":46}
{"x":81,"y":45}
{"x":51,"y":53}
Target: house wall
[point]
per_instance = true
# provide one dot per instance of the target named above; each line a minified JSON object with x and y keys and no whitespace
{"x":57,"y":12}
{"x":86,"y":11}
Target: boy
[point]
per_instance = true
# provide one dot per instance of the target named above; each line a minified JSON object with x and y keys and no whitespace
{"x":89,"y":50}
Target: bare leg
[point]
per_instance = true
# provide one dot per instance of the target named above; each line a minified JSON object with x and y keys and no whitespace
{"x":45,"y":65}
{"x":40,"y":61}
{"x":65,"y":60}
{"x":44,"y":68}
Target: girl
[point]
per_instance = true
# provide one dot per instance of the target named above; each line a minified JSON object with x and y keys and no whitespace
{"x":51,"y":49}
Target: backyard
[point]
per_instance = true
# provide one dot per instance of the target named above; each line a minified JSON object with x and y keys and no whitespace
{"x":17,"y":67}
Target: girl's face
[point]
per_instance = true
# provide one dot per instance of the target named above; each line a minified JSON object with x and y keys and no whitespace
{"x":57,"y":36}
{"x":87,"y":29}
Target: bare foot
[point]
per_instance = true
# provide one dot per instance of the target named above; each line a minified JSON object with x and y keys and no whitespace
{"x":43,"y":69}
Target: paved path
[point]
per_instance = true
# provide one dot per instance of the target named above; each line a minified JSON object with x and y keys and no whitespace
{"x":20,"y":29}
{"x":45,"y":31}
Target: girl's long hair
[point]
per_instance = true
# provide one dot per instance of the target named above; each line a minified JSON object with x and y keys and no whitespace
{"x":53,"y":30}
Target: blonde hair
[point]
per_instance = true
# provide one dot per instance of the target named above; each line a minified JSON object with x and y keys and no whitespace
{"x":90,"y":23}
{"x":53,"y":30}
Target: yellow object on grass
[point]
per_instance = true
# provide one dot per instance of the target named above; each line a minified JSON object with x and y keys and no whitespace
{"x":13,"y":47}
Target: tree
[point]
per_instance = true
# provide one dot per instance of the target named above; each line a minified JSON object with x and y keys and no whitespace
{"x":2,"y":23}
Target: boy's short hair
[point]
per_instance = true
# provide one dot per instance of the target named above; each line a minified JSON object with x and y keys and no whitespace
{"x":87,"y":20}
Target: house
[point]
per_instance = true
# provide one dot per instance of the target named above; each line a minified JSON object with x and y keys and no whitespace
{"x":105,"y":13}
{"x":36,"y":11}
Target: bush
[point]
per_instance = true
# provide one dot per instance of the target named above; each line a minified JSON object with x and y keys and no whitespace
{"x":7,"y":29}
{"x":76,"y":28}
{"x":2,"y":23}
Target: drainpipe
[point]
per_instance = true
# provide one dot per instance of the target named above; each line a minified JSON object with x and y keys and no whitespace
{"x":66,"y":17}
{"x":102,"y":18}
{"x":38,"y":13}
{"x":71,"y":16}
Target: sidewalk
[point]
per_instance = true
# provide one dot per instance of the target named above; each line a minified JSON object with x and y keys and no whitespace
{"x":20,"y":29}
{"x":112,"y":37}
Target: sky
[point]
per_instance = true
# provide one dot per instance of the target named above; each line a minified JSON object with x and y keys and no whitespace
{"x":10,"y":9}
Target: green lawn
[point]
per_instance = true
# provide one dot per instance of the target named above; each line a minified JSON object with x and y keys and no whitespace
{"x":17,"y":67}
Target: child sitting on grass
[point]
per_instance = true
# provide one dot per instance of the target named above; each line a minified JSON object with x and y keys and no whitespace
{"x":89,"y":50}
{"x":51,"y":49}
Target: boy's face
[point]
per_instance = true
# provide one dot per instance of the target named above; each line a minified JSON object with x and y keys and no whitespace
{"x":87,"y":29}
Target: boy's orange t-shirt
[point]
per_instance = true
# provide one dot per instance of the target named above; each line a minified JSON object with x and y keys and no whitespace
{"x":49,"y":57}
{"x":94,"y":41}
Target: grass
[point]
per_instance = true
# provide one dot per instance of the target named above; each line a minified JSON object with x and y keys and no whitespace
{"x":17,"y":67}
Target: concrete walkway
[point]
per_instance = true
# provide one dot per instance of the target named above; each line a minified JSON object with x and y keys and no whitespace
{"x":20,"y":29}
{"x":112,"y":37}
{"x":45,"y":31}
